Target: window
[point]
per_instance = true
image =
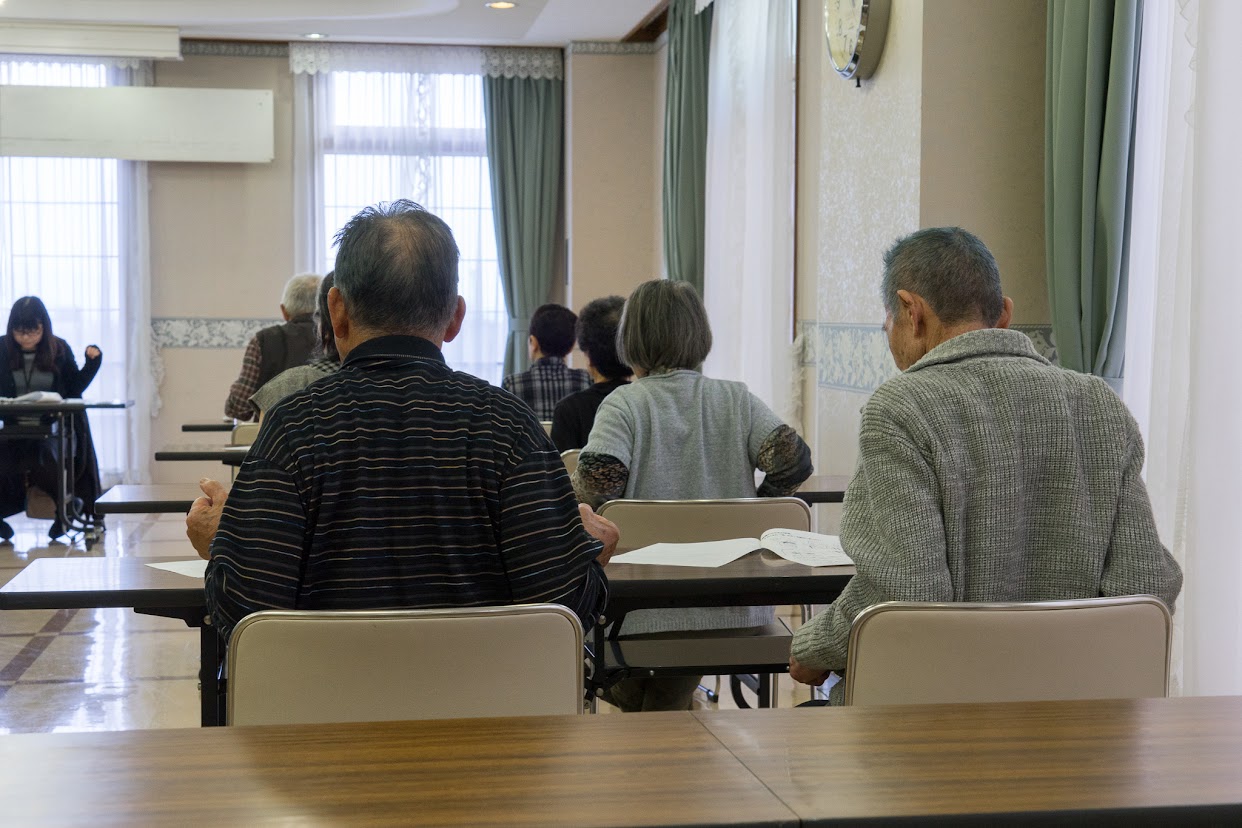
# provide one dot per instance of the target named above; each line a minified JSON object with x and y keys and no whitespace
{"x":61,"y":223}
{"x":391,"y":134}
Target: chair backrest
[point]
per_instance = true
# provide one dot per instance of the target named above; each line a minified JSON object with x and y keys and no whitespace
{"x":570,"y":458}
{"x":644,"y":522}
{"x":244,"y":434}
{"x":1093,"y":648}
{"x":547,"y":427}
{"x":293,"y":666}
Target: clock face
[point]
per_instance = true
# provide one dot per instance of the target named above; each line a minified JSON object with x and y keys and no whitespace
{"x":842,"y":24}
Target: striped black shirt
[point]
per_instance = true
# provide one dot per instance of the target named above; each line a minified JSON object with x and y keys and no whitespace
{"x":399,"y":483}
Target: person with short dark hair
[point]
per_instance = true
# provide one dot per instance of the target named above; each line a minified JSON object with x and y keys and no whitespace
{"x":548,"y":380}
{"x":276,"y":348}
{"x":674,"y":434}
{"x":985,"y":473}
{"x":397,"y":482}
{"x":597,"y":339}
{"x":33,"y":358}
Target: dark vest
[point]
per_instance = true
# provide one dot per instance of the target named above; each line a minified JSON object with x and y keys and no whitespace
{"x":285,"y":346}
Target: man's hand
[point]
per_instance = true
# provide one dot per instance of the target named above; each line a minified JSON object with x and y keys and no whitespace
{"x":806,"y":675}
{"x":601,"y":529}
{"x":92,"y":352}
{"x":204,"y":517}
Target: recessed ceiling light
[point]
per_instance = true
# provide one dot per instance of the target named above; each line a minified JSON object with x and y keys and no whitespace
{"x":314,"y":36}
{"x":500,"y":4}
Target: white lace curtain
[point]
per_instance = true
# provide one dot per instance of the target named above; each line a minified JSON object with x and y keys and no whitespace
{"x":748,"y":261}
{"x":1181,"y":365}
{"x":74,"y":231}
{"x":377,"y":123}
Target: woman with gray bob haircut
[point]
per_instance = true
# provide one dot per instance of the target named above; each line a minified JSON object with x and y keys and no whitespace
{"x":674,"y":434}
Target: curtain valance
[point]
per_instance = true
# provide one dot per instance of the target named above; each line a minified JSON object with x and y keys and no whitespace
{"x":489,"y":61}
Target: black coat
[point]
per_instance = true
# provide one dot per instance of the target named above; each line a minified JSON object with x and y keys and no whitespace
{"x":69,"y":381}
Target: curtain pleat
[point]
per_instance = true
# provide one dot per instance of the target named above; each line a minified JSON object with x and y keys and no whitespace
{"x":685,"y":140}
{"x":1092,"y":78}
{"x":525,"y":124}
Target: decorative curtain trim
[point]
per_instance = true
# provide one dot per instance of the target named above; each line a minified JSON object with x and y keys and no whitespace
{"x":139,"y":64}
{"x":492,"y":62}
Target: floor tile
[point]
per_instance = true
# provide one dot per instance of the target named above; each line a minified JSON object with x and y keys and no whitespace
{"x":113,"y":656}
{"x":124,"y":705}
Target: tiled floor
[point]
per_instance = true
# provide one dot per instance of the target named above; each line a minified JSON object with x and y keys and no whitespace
{"x":112,"y":669}
{"x":95,"y":669}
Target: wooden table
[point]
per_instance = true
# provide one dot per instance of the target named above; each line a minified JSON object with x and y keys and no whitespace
{"x":1129,"y":762}
{"x":649,"y":769}
{"x":823,"y":488}
{"x":126,"y":499}
{"x":229,"y":455}
{"x":69,"y":583}
{"x":758,"y":579}
{"x":212,"y":426}
{"x":1154,"y":761}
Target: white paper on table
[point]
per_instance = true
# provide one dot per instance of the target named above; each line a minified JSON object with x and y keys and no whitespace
{"x":711,"y":554}
{"x":196,"y":568}
{"x":806,"y":548}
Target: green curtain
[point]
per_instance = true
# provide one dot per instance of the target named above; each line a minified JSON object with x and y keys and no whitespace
{"x":685,"y":140}
{"x":525,"y":125}
{"x":1092,"y":79}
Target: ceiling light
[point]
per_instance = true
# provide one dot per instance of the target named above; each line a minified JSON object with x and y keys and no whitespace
{"x":500,"y":4}
{"x":314,"y":36}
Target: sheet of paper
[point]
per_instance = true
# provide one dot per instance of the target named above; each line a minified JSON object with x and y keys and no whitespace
{"x":806,"y":548}
{"x":195,"y":568}
{"x":712,"y":554}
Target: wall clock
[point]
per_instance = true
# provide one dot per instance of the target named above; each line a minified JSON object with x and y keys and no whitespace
{"x":855,"y":30}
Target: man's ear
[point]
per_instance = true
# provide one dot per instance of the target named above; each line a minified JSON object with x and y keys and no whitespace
{"x":338,"y":313}
{"x":1006,"y":314}
{"x":454,"y":326}
{"x":284,"y":312}
{"x":913,"y":306}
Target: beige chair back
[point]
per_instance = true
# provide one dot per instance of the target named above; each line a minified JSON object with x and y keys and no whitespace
{"x":292,"y":667}
{"x":244,"y":434}
{"x":644,"y":522}
{"x":547,"y":427}
{"x":570,"y":458}
{"x":1093,"y":648}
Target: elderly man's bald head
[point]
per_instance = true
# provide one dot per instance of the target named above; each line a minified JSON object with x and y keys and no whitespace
{"x":396,"y":269}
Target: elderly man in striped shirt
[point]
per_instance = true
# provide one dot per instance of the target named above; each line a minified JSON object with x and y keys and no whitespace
{"x":398,"y":482}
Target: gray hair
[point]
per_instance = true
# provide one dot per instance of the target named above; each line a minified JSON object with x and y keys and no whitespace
{"x":300,"y":295}
{"x":396,"y":269}
{"x":951,"y":269}
{"x":664,"y":327}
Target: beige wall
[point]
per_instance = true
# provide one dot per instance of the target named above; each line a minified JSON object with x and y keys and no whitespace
{"x":612,"y":173}
{"x":221,"y":247}
{"x":983,"y":135}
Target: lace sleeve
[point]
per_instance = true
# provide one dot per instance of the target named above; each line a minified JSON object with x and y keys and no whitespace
{"x":599,"y":478}
{"x":785,"y":459}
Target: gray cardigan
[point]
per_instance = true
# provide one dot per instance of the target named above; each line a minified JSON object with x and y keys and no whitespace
{"x":987,"y":474}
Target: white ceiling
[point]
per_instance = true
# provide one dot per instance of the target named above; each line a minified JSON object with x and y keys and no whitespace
{"x":532,"y":23}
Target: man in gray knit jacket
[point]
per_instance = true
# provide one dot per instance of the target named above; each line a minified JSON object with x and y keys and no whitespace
{"x":984,"y":472}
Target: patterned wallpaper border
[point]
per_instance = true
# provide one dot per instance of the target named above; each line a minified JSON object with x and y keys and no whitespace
{"x":234,"y":48}
{"x":188,"y":332}
{"x":855,"y":357}
{"x":607,"y":47}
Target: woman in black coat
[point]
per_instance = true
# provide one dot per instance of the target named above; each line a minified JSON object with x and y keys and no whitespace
{"x":32,"y":358}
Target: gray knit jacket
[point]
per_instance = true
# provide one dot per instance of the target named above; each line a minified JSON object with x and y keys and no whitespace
{"x":987,"y":474}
